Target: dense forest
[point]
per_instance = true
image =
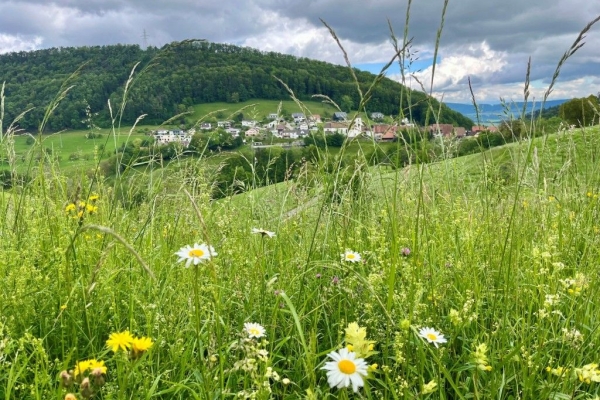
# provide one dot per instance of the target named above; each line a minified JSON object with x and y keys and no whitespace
{"x":170,"y":79}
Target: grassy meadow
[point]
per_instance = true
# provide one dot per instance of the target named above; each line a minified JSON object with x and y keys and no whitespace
{"x":465,"y":278}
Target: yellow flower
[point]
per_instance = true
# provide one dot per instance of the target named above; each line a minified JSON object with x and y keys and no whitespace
{"x":91,"y":209}
{"x":70,"y":207}
{"x":81,"y":367}
{"x":141,"y":345}
{"x":588,"y":373}
{"x":95,"y":364}
{"x":93,"y":197}
{"x":429,"y":387}
{"x":121,"y":340}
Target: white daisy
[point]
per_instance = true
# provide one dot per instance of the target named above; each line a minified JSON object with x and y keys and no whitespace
{"x":345,"y":369}
{"x":254,"y":330}
{"x":351,"y":256}
{"x":432,"y":336}
{"x":263,"y":232}
{"x":195,"y":254}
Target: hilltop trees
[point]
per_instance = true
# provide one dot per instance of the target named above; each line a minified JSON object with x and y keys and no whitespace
{"x":581,"y":112}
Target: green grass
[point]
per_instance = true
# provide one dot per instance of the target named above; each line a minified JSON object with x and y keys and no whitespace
{"x":495,"y":255}
{"x":259,"y":108}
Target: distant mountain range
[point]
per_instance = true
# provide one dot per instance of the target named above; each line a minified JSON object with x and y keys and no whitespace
{"x":496,"y":113}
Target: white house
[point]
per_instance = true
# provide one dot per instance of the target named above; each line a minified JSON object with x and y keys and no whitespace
{"x":250,"y":124}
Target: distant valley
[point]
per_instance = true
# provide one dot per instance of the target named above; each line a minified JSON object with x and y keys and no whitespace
{"x":495,"y":113}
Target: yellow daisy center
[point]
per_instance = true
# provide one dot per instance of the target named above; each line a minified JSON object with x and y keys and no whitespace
{"x":347,"y":367}
{"x":196,"y":253}
{"x":254,"y":331}
{"x":432,"y":336}
{"x":350,"y":256}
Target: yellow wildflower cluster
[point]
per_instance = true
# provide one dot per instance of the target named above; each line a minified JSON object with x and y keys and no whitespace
{"x":356,"y":341}
{"x":125,"y":341}
{"x":588,"y":373}
{"x":80,"y":208}
{"x":480,"y":357}
{"x":574,"y":286}
{"x":558,"y":371}
{"x":89,"y":375}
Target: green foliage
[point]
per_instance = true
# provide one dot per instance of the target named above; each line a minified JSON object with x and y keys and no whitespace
{"x":580,"y":112}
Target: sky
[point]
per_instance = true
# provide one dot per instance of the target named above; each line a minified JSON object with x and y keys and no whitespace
{"x":486,"y":41}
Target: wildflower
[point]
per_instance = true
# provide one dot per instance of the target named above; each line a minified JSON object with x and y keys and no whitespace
{"x":195,"y":254}
{"x":373,"y":367}
{"x":121,"y":340}
{"x":70,"y":207}
{"x":480,"y":357}
{"x":254,"y":330}
{"x":345,"y":369}
{"x":335,"y":280}
{"x":318,"y":276}
{"x":356,"y":340}
{"x":455,"y":317}
{"x":97,"y":365}
{"x":351,"y":256}
{"x":406,"y":252}
{"x":286,"y":381}
{"x":93,"y":197}
{"x":263,"y":232}
{"x":429,"y":387}
{"x":558,"y":371}
{"x":85,"y":389}
{"x":70,"y":396}
{"x":66,"y":379}
{"x":91,"y":209}
{"x":140,"y":345}
{"x":81,"y":367}
{"x":588,"y":373}
{"x":432,"y":336}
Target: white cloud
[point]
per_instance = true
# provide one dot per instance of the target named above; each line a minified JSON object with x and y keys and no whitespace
{"x":300,"y":38}
{"x":11,"y":43}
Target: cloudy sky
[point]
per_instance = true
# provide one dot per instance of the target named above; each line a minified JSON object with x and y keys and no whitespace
{"x":489,"y":41}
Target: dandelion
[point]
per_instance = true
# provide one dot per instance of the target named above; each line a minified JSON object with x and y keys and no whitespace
{"x":195,"y":254}
{"x":345,"y":369}
{"x":351,"y":256}
{"x":432,"y":336}
{"x":254,"y":330}
{"x":140,"y":345}
{"x":120,"y":340}
{"x":263,"y":232}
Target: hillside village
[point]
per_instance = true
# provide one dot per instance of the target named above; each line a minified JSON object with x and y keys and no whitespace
{"x":299,"y":126}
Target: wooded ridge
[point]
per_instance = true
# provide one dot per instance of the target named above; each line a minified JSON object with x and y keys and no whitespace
{"x":179,"y":75}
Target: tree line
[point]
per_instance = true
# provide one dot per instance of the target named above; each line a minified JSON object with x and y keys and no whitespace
{"x":179,"y":75}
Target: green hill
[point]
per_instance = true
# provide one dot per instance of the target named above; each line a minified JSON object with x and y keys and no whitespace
{"x":172,"y":79}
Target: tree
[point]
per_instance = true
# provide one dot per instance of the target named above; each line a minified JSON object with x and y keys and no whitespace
{"x":346,"y":104}
{"x":580,"y":112}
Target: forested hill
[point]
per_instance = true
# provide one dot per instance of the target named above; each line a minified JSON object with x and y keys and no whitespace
{"x":177,"y":76}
